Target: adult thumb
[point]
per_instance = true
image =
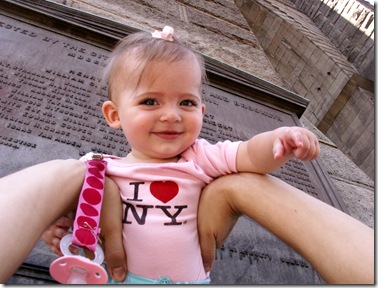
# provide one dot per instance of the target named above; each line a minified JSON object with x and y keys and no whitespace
{"x":115,"y":257}
{"x":208,"y":248}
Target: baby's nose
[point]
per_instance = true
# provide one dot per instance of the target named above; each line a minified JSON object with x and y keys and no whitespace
{"x":171,"y":114}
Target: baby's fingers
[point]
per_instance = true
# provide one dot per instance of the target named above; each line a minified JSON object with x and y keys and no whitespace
{"x":278,"y":149}
{"x":55,"y":233}
{"x":314,"y":150}
{"x":64,"y":222}
{"x":309,"y":150}
{"x":301,"y":147}
{"x":288,"y":142}
{"x":51,"y":240}
{"x":296,"y":139}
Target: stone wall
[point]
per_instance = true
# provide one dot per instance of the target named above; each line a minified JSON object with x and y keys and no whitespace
{"x":311,"y":65}
{"x":216,"y":29}
{"x":349,"y":24}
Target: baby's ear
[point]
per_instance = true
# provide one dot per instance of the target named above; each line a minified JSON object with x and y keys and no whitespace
{"x":109,"y":110}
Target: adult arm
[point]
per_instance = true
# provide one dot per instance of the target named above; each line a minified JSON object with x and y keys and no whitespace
{"x":30,"y":200}
{"x":339,"y":248}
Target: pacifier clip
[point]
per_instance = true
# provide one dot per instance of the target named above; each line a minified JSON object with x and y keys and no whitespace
{"x":77,"y":269}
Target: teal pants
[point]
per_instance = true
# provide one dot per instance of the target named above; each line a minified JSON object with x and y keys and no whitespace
{"x":135,"y":279}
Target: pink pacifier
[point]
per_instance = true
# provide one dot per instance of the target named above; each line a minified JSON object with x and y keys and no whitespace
{"x":77,"y":269}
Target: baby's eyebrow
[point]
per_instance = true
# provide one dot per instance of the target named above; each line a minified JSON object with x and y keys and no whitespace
{"x":160,"y":94}
{"x":145,"y":95}
{"x":190,"y":95}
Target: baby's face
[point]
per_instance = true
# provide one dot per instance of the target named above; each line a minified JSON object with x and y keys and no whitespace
{"x":161,"y":115}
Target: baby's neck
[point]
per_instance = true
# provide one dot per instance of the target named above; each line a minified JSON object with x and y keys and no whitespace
{"x":131,"y":158}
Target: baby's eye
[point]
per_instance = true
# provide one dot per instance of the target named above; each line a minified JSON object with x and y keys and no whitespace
{"x":149,"y":102}
{"x":189,"y":103}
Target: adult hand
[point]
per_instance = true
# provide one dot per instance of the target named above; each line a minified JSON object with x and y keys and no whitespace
{"x":111,"y":231}
{"x":339,"y":247}
{"x":216,"y":218}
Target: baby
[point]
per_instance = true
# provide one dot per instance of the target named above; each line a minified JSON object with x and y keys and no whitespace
{"x":155,"y":85}
{"x":154,"y":88}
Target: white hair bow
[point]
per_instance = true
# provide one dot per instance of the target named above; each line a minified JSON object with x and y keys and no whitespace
{"x":166,"y":33}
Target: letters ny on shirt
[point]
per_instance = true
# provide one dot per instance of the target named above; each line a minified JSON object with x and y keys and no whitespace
{"x":135,"y":211}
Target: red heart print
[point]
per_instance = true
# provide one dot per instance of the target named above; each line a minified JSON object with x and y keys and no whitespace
{"x":164,"y":191}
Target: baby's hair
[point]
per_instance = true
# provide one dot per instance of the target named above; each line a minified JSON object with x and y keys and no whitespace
{"x":142,"y":49}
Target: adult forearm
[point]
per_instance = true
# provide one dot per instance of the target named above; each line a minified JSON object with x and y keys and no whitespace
{"x":338,"y":246}
{"x":30,"y":200}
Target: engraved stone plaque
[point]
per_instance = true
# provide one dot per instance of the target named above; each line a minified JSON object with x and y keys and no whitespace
{"x":50,"y":107}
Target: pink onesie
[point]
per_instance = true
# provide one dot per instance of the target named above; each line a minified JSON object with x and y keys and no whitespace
{"x":160,"y":209}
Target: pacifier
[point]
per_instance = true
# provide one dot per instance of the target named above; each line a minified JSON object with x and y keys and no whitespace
{"x":77,"y":269}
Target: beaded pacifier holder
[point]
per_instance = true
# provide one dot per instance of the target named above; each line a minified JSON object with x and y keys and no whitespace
{"x":76,"y":269}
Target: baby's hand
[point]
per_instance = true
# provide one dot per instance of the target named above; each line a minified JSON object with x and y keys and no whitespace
{"x":56,"y":232}
{"x":299,"y":142}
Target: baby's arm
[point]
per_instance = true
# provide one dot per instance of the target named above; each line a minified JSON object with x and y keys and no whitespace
{"x":268,"y":151}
